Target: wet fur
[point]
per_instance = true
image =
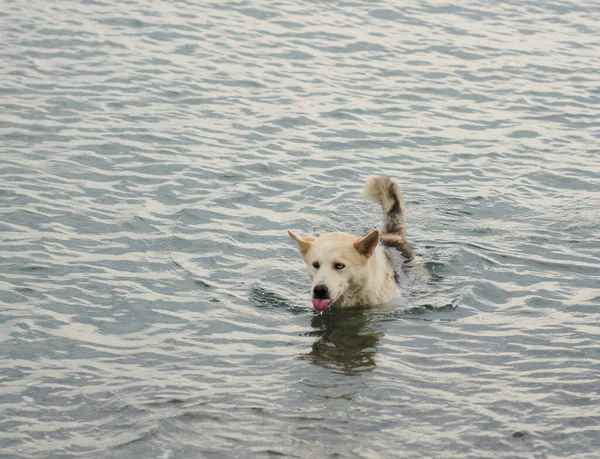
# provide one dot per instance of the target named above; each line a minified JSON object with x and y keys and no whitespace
{"x":368,"y":277}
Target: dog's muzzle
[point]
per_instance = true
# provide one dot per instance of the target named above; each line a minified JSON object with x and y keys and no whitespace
{"x":321,"y":298}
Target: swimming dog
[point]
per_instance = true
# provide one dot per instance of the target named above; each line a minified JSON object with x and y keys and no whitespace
{"x":349,"y":271}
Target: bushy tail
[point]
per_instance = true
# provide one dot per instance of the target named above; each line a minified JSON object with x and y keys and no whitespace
{"x":386,"y":192}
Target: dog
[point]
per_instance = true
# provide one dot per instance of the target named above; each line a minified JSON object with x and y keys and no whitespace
{"x":350,"y":271}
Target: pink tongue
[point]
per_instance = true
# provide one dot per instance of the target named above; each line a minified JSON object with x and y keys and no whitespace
{"x":320,"y":305}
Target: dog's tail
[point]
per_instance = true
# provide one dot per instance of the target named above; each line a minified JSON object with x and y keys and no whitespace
{"x":386,"y":192}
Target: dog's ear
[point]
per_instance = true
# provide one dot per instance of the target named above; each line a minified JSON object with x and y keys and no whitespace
{"x":367,"y":244}
{"x":303,"y":242}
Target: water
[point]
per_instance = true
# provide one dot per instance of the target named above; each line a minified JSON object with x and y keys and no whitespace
{"x":153,"y":155}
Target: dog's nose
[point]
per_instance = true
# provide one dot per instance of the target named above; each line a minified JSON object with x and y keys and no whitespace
{"x":321,"y":291}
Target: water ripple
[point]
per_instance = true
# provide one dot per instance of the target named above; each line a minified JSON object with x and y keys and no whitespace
{"x":153,"y":156}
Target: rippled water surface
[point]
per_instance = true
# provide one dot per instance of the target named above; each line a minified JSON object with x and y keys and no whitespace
{"x":153,"y":155}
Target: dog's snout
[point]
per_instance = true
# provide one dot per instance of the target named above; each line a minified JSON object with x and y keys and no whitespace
{"x":321,"y":291}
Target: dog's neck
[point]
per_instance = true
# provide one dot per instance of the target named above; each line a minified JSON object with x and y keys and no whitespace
{"x":379,"y":289}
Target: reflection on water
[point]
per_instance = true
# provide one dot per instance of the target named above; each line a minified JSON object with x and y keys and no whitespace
{"x":346,"y":341}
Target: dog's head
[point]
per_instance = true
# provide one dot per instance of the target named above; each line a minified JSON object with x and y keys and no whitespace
{"x":337,"y":264}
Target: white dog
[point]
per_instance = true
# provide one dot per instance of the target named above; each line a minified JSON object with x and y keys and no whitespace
{"x":346,"y":270}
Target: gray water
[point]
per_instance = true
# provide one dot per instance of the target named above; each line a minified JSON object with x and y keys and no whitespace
{"x":153,"y":155}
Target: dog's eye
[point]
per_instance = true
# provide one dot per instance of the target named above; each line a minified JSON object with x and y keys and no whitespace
{"x":316,"y":265}
{"x":339,"y":266}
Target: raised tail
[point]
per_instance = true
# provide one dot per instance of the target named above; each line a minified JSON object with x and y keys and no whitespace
{"x":386,"y":192}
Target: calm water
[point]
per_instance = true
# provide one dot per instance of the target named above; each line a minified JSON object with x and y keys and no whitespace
{"x":152,"y":156}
